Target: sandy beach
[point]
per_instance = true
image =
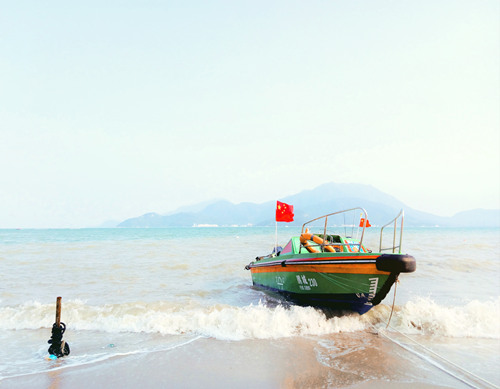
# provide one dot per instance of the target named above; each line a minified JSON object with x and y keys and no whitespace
{"x":284,"y":363}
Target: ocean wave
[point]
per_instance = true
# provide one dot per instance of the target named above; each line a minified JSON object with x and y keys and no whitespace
{"x":227,"y":322}
{"x":475,"y":319}
{"x":217,"y":321}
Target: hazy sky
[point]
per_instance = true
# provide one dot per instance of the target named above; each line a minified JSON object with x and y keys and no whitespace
{"x":111,"y":111}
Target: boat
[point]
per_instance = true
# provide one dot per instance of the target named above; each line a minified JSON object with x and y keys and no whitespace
{"x":331,"y":269}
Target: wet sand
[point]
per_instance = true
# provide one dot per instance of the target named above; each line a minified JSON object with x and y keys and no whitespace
{"x":281,"y":363}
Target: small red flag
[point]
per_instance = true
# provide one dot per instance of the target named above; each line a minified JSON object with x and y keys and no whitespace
{"x":284,"y":212}
{"x":362,"y":222}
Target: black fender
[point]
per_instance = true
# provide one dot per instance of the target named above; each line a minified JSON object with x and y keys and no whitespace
{"x":396,"y":263}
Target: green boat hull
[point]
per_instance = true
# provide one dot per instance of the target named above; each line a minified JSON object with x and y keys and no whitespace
{"x":332,"y":290}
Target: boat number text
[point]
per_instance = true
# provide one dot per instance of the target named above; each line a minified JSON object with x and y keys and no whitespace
{"x":306,"y":283}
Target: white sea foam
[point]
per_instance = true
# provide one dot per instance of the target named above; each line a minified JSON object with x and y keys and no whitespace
{"x":475,"y":319}
{"x":424,"y":316}
{"x":218,"y":321}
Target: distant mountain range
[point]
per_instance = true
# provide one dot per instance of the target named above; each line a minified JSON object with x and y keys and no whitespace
{"x":309,"y":204}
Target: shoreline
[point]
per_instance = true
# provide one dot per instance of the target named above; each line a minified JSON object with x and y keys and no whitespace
{"x":280,"y":363}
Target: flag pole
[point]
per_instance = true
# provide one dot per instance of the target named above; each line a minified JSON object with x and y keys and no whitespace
{"x":276,"y":239}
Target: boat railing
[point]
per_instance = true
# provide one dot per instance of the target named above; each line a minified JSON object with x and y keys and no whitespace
{"x":325,"y":243}
{"x":352,"y":245}
{"x":394,"y":224}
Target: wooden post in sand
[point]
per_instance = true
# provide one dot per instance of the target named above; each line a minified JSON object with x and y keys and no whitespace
{"x":58,"y":347}
{"x":58,"y":312}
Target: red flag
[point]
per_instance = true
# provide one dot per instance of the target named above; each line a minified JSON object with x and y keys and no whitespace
{"x":362,"y":222}
{"x":284,"y":212}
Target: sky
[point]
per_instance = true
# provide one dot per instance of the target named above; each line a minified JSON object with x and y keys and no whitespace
{"x":109,"y":110}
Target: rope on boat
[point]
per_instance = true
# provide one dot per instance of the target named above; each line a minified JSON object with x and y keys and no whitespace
{"x":396,"y":282}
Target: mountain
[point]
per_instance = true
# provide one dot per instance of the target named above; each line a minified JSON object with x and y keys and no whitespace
{"x":308,"y":204}
{"x":477,"y":218}
{"x":194,"y":207}
{"x":221,"y":212}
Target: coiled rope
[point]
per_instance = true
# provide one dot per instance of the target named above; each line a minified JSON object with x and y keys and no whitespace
{"x":58,"y":346}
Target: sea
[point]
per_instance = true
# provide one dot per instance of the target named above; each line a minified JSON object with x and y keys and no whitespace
{"x":175,"y":308}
